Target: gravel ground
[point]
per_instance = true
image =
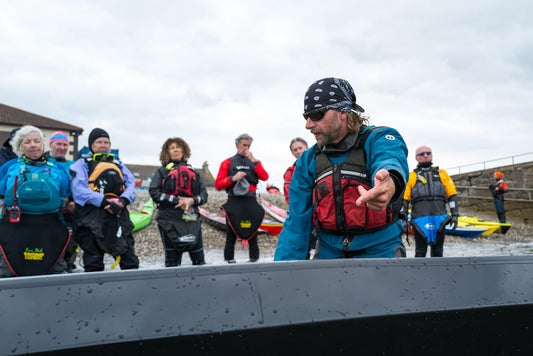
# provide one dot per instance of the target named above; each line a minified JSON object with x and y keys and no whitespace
{"x":149,"y":248}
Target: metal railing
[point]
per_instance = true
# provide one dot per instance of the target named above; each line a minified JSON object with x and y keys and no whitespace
{"x":522,"y":195}
{"x":504,"y":161}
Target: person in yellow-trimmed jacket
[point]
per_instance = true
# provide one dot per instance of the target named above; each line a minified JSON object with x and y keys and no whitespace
{"x":428,"y":190}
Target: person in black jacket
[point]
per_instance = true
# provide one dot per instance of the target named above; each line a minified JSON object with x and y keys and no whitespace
{"x":6,"y":152}
{"x":102,"y":188}
{"x":178,"y":190}
{"x":239,"y":176}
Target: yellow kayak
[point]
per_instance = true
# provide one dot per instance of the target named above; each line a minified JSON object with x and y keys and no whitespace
{"x":490,"y":228}
{"x":485,"y":223}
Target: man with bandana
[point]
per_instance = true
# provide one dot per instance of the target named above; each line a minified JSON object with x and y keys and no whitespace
{"x":427,"y":190}
{"x":349,"y":185}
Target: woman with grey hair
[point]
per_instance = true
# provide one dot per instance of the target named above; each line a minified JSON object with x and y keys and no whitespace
{"x":33,"y":236}
{"x":239,"y":176}
{"x":30,"y":133}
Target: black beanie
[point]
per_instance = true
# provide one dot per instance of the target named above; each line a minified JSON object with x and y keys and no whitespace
{"x":96,"y":134}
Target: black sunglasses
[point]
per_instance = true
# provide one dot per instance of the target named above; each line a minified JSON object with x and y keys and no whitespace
{"x":424,"y":154}
{"x":315,"y":115}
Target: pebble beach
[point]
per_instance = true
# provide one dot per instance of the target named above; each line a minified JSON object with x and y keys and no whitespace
{"x":149,"y":248}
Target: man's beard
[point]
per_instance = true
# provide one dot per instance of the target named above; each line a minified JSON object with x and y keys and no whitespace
{"x":334,"y":130}
{"x":322,"y":141}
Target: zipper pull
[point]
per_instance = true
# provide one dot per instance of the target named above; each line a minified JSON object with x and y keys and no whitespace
{"x":345,"y":243}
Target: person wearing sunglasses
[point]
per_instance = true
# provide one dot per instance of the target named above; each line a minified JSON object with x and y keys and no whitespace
{"x":427,"y":192}
{"x":102,"y":188}
{"x":348,"y":185}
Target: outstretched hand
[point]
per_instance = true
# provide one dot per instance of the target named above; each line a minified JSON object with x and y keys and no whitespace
{"x":380,"y":195}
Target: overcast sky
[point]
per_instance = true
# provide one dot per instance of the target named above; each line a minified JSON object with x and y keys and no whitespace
{"x":454,"y":75}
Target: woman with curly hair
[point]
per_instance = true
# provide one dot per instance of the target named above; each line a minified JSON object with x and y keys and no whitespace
{"x":178,"y":190}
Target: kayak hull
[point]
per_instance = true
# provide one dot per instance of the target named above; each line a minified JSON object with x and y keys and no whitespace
{"x":275,"y":211}
{"x":219,"y":221}
{"x":141,"y":219}
{"x":483,"y":304}
{"x":503,"y":227}
{"x":465,"y":231}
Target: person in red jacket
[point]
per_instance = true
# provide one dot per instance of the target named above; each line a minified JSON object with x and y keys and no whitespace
{"x":297,"y":147}
{"x":498,"y":188}
{"x":239,"y":176}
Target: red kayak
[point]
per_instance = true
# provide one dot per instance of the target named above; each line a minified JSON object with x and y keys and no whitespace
{"x":272,"y":227}
{"x":275,"y":211}
{"x":272,"y":189}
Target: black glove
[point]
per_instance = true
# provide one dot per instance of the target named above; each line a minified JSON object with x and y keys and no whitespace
{"x":116,"y":206}
{"x":105,"y":202}
{"x":454,"y":221}
{"x":125,"y":202}
{"x":404,"y":210}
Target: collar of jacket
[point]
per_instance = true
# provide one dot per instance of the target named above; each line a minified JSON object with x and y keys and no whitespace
{"x":425,"y":165}
{"x":338,"y":149}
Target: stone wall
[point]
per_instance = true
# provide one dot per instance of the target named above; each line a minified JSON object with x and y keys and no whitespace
{"x":474,"y":194}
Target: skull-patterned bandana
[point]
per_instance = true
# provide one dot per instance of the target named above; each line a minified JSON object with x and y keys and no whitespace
{"x":331,"y":93}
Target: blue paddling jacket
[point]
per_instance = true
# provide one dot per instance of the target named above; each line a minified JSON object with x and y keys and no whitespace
{"x":385,"y":149}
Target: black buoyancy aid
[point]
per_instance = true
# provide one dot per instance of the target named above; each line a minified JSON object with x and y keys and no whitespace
{"x":242,"y":164}
{"x":106,"y":177}
{"x":336,"y":190}
{"x":428,"y":185}
{"x":181,"y":179}
{"x":35,"y":245}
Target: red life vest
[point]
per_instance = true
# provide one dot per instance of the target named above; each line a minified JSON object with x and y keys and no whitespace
{"x":336,"y":190}
{"x":287,"y":177}
{"x":181,"y":180}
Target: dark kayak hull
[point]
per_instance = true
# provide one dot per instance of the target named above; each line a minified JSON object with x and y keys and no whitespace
{"x":374,"y":306}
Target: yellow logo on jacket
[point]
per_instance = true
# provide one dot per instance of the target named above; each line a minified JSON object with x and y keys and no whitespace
{"x":36,"y":254}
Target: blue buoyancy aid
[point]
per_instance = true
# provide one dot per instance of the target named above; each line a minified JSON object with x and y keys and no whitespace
{"x":34,"y":191}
